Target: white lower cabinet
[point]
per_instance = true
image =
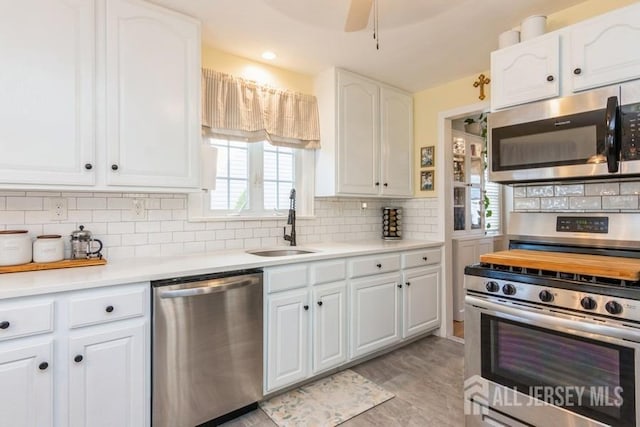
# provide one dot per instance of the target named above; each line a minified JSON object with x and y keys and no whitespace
{"x":287,"y":338}
{"x":105,"y":385}
{"x":26,"y":383}
{"x":375,"y":307}
{"x":329,"y":326}
{"x":100,"y":373}
{"x":421,"y":300}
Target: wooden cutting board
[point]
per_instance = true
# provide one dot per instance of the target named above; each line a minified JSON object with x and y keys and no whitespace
{"x":592,"y":265}
{"x":66,"y":263}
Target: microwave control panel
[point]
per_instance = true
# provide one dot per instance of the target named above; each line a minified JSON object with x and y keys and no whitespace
{"x":630,"y":149}
{"x":579,"y":224}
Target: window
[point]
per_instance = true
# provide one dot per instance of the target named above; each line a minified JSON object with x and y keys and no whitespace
{"x":492,"y":191}
{"x":255,"y":180}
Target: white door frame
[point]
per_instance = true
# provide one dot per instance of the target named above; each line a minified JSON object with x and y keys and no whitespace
{"x":445,"y":158}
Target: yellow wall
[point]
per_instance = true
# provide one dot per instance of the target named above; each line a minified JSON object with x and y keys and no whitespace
{"x":458,"y":93}
{"x":259,"y":72}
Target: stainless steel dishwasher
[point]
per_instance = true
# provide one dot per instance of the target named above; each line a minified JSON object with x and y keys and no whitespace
{"x":207,"y":347}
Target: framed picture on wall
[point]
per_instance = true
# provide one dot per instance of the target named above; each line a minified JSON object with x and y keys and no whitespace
{"x":427,"y":159}
{"x":426,"y":180}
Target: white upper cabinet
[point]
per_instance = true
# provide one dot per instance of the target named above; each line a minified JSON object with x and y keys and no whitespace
{"x":359,"y":155}
{"x":367,"y":137}
{"x":526,"y":72}
{"x":605,"y":50}
{"x":47,"y":91}
{"x":396,"y":142}
{"x":152,"y":87}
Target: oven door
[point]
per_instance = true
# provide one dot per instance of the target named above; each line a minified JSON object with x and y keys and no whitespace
{"x":546,"y":368}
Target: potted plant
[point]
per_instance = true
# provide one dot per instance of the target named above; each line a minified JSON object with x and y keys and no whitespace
{"x":475,"y":126}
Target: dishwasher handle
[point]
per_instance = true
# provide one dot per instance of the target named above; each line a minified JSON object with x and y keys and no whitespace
{"x":211,"y":287}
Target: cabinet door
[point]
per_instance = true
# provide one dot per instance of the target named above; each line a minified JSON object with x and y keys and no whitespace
{"x":47,"y":92}
{"x":358,"y":135}
{"x":464,"y":253}
{"x":605,"y":50}
{"x":421,"y":301}
{"x":329,"y":326}
{"x":107,"y":376}
{"x":287,"y":338}
{"x":396,"y":142}
{"x":525,"y":72}
{"x":26,"y":384}
{"x":375,"y":320}
{"x":152,"y":81}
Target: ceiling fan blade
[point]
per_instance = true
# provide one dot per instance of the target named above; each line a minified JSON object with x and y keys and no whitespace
{"x":358,"y":16}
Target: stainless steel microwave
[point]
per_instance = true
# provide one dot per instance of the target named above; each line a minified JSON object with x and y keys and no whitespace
{"x":592,"y":135}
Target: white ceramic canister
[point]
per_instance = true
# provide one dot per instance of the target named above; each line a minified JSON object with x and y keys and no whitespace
{"x":533,"y":26}
{"x":508,"y":38}
{"x":48,"y":248}
{"x":15,"y":247}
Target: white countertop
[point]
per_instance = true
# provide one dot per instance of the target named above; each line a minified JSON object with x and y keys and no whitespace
{"x":14,"y":285}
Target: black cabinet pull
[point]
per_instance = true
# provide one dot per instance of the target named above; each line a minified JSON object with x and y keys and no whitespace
{"x":399,"y":285}
{"x":385,"y":184}
{"x":424,"y":258}
{"x":4,"y":324}
{"x":319,"y":302}
{"x":78,"y":359}
{"x":88,"y":166}
{"x":114,"y":167}
{"x":109,"y":309}
{"x":379,"y":265}
{"x":550,"y":78}
{"x":577,"y":71}
{"x":43,"y":366}
{"x":306,"y":307}
{"x":407,"y":283}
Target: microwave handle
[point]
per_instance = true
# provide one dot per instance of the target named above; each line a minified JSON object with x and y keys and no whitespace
{"x":612,"y":137}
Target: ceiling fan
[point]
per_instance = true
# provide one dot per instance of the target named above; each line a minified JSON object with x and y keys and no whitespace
{"x":358,"y":16}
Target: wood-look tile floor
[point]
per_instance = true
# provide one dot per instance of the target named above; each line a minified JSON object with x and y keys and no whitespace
{"x":426,"y":377}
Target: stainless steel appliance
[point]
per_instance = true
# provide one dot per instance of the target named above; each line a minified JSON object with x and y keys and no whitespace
{"x":556,"y":347}
{"x":207,"y":347}
{"x":589,"y":135}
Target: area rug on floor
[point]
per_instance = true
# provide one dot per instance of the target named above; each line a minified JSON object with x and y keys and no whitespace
{"x":327,"y":402}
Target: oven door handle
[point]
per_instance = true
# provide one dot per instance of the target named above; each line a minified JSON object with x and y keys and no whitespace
{"x":621,"y":333}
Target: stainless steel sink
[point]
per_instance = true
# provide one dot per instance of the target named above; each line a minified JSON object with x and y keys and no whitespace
{"x":280,"y":252}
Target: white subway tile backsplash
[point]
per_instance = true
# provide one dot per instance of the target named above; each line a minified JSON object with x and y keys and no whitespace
{"x":155,"y":238}
{"x":526,"y":203}
{"x":91,"y":203}
{"x":11,"y":217}
{"x":630,"y":187}
{"x":585,"y":203}
{"x":172,"y":204}
{"x":540,"y":191}
{"x":103,"y":215}
{"x":24,"y":203}
{"x":602,"y":189}
{"x":519,"y":191}
{"x":158,"y":215}
{"x":569,"y":190}
{"x":119,"y":203}
{"x":554,"y":203}
{"x":620,"y":202}
{"x":172,"y":225}
{"x":121,"y":228}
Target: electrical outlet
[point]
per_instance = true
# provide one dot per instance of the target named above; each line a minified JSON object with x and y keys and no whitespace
{"x":138,"y":209}
{"x":58,"y":208}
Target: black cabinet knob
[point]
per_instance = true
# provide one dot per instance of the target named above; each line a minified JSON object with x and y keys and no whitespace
{"x":306,"y":307}
{"x":109,"y":309}
{"x":577,"y":71}
{"x":385,"y":184}
{"x":400,"y":285}
{"x":88,"y":166}
{"x":407,"y":283}
{"x":43,"y":366}
{"x":78,"y":358}
{"x":114,"y":167}
{"x":4,"y":324}
{"x":424,"y":258}
{"x":319,"y":302}
{"x":550,"y":78}
{"x":379,"y":265}
{"x":377,"y":184}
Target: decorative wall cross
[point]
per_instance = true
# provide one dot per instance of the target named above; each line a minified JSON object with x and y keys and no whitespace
{"x":482,"y":80}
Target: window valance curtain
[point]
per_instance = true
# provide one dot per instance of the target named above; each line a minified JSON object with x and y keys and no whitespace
{"x":241,"y":109}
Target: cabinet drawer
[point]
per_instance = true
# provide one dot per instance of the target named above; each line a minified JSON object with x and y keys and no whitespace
{"x":94,"y":307}
{"x":283,"y":278}
{"x":20,"y":320}
{"x":326,"y":272}
{"x":365,"y":266}
{"x":421,"y":258}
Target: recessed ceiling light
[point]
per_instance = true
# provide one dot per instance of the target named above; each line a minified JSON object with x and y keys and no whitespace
{"x":267,"y":54}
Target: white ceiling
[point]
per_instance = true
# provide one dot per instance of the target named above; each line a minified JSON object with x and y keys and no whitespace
{"x":423,"y":43}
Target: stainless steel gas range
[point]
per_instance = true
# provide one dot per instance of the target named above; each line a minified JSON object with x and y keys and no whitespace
{"x":552,"y":326}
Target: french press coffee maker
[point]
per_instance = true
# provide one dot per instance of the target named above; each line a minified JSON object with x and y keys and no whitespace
{"x":82,"y":244}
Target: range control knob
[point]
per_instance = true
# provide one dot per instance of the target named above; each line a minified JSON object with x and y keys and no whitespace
{"x":588,"y":303}
{"x":545,"y":296}
{"x":492,"y":286}
{"x":613,"y":307}
{"x":509,"y":289}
